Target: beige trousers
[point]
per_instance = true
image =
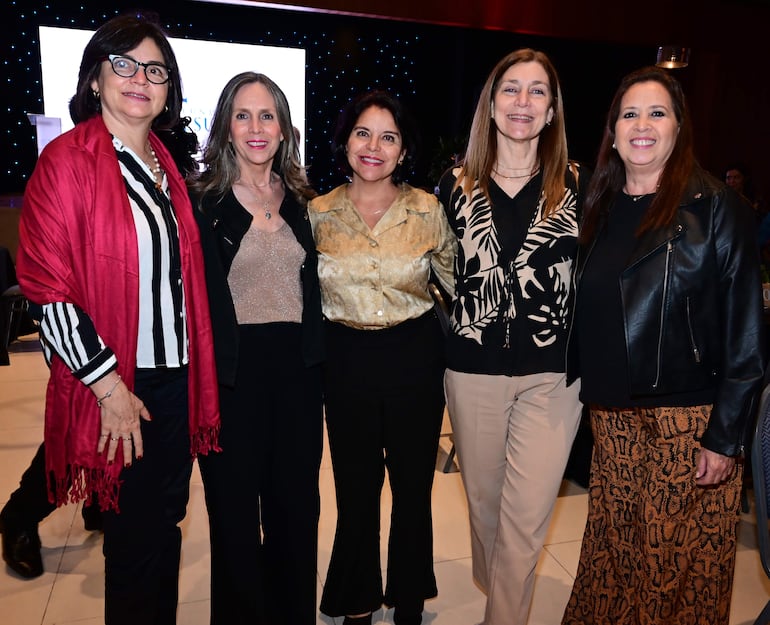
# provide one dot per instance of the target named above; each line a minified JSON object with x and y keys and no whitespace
{"x":513,"y":437}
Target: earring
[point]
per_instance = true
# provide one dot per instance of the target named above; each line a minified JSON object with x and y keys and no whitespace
{"x":95,"y":93}
{"x":613,"y":146}
{"x":165,"y":109}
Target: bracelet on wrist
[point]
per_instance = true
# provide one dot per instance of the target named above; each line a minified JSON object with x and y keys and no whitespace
{"x":109,"y":393}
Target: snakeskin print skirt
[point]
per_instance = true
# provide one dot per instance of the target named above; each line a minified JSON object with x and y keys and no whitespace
{"x":657,"y":549}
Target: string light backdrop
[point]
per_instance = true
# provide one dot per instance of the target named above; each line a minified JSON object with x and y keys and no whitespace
{"x":437,"y":70}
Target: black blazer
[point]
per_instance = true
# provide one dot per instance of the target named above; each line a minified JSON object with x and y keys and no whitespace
{"x":223,"y":222}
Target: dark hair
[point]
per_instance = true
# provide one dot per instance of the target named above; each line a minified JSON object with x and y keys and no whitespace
{"x":482,"y":142}
{"x":118,"y":36}
{"x":404,"y":122}
{"x":748,"y":182}
{"x":219,"y":157}
{"x":738,"y":166}
{"x":182,"y":142}
{"x":610,"y":174}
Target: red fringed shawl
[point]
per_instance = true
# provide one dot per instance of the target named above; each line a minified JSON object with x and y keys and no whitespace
{"x":77,"y":244}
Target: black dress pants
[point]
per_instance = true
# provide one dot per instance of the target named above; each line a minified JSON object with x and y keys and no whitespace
{"x":384,"y":402}
{"x":28,"y":505}
{"x":142,"y":542}
{"x":262,"y":488}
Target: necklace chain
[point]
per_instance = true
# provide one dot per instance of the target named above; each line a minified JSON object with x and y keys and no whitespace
{"x":636,"y":198}
{"x":266,"y":202}
{"x":530,"y":174}
{"x":514,"y":169}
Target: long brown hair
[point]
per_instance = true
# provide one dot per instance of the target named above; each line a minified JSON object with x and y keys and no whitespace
{"x":221,"y":165}
{"x":610,"y":173}
{"x":482,"y":142}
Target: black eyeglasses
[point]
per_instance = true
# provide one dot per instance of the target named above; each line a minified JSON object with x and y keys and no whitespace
{"x":126,"y":67}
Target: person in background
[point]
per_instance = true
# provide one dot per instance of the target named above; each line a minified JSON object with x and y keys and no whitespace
{"x":737,"y":178}
{"x":378,"y":240}
{"x":667,"y":341}
{"x":26,"y":507}
{"x":514,"y":204}
{"x":261,"y":267}
{"x":110,"y":250}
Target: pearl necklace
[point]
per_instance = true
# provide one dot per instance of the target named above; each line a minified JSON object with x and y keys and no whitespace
{"x":156,"y":171}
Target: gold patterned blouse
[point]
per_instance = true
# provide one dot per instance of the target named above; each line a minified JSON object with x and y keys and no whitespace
{"x":376,"y":278}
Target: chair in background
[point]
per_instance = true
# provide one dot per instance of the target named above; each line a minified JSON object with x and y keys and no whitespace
{"x":442,"y":312}
{"x":760,"y":465}
{"x":15,"y":319}
{"x":13,"y":308}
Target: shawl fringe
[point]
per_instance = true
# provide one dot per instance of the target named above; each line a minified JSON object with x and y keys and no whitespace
{"x":205,"y":440}
{"x":81,"y":483}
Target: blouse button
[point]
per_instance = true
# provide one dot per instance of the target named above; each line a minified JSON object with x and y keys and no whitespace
{"x":379,"y":313}
{"x":373,"y":243}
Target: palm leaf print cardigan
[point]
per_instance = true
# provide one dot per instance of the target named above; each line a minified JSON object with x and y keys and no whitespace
{"x":513,"y":304}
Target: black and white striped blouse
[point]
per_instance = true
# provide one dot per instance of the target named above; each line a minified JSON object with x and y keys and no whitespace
{"x":68,"y":331}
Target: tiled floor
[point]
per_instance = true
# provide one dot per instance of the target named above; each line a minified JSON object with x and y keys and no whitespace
{"x":71,"y":590}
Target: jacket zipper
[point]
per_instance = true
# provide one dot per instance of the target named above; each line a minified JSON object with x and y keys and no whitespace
{"x":669,"y":251}
{"x":695,"y":350}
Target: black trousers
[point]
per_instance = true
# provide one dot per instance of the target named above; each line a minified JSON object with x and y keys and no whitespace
{"x":262,"y":489}
{"x":142,"y":542}
{"x":28,"y":505}
{"x":384,"y":406}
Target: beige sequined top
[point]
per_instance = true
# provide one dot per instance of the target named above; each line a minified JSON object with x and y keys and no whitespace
{"x":264,"y":277}
{"x":372,"y":279}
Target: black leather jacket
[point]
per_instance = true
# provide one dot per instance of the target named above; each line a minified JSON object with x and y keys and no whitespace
{"x":692,"y":310}
{"x":223,"y":223}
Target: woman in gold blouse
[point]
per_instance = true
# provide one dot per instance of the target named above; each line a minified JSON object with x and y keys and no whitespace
{"x":378,"y":239}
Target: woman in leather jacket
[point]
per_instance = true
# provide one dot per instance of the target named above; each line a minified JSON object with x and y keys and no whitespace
{"x":667,"y":344}
{"x":261,"y":272}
